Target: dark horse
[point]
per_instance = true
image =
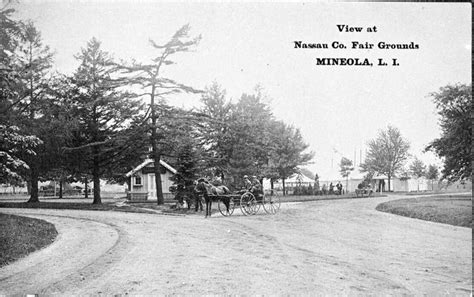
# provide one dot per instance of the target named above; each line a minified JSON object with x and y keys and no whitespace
{"x":213,"y":191}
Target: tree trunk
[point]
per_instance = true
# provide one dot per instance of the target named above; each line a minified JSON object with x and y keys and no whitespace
{"x":96,"y":180}
{"x":347,"y":184}
{"x":389,"y":178}
{"x":284,"y":187}
{"x":86,"y":187}
{"x":159,"y":191}
{"x":33,"y":184}
{"x":60,"y":189}
{"x":154,"y":150}
{"x":271,"y":183}
{"x":28,"y":187}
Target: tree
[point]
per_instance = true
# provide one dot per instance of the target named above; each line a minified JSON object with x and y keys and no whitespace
{"x":32,"y":61}
{"x":15,"y":144}
{"x":10,"y":33}
{"x":418,"y":170}
{"x":345,"y":169}
{"x":454,"y":104}
{"x":250,"y":137}
{"x":106,"y":137}
{"x":287,"y":150}
{"x":149,"y":77}
{"x":432,"y":174}
{"x":217,"y":129}
{"x":387,"y":153}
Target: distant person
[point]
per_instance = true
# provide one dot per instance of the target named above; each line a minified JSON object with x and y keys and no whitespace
{"x":331,"y":189}
{"x":256,"y":188}
{"x":339,"y":188}
{"x":197,"y":198}
{"x":324,"y":189}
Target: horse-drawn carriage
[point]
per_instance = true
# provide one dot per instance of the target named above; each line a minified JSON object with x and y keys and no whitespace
{"x":367,"y":191}
{"x":249,"y":203}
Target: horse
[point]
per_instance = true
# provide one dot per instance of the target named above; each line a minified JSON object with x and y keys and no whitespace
{"x":215,"y":191}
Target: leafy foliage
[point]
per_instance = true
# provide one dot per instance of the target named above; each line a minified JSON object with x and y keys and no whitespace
{"x":387,"y":153}
{"x":345,"y":167}
{"x":13,"y":144}
{"x":432,"y":173}
{"x":105,"y":136}
{"x":87,"y":125}
{"x":454,"y":104}
{"x":244,"y":138}
{"x":417,"y":168}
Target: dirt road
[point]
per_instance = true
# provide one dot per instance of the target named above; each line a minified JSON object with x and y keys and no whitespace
{"x":342,"y":247}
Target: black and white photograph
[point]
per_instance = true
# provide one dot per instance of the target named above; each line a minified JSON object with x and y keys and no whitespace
{"x":152,"y":148}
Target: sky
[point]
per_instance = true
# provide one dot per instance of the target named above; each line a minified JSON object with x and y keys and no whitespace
{"x":338,"y":109}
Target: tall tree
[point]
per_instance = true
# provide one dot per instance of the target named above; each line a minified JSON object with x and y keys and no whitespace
{"x":287,"y":151}
{"x":10,"y":33}
{"x":149,"y":77}
{"x":217,"y":130}
{"x":432,"y":174}
{"x":16,"y":145}
{"x":454,"y":103}
{"x":418,"y":170}
{"x":105,"y":137}
{"x":346,"y":167}
{"x":387,"y":153}
{"x":250,"y":136}
{"x":33,"y":61}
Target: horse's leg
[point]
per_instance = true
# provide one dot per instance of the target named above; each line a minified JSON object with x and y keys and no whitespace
{"x":210,"y":206}
{"x":227,"y":203}
{"x":208,"y":202}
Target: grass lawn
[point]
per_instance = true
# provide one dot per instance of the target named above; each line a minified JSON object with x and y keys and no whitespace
{"x":454,"y":209}
{"x":20,"y":236}
{"x":73,"y":205}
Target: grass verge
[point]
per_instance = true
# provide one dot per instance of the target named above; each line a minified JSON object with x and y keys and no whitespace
{"x":73,"y":205}
{"x":20,"y":236}
{"x":454,"y":210}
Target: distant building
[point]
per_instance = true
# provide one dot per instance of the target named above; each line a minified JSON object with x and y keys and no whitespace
{"x":295,"y":180}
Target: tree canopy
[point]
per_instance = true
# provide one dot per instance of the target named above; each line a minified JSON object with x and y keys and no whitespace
{"x":417,"y":168}
{"x":454,"y":103}
{"x":387,"y":153}
{"x":93,"y":123}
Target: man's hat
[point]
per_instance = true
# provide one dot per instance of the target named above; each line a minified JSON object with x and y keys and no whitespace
{"x":246,"y":176}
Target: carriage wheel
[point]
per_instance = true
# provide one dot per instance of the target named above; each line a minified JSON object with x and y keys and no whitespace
{"x":271,"y":202}
{"x":248,"y":204}
{"x":221,"y":203}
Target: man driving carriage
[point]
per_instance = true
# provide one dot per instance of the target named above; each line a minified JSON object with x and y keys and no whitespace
{"x":253,"y":186}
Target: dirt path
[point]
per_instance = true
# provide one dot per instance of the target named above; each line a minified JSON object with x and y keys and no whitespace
{"x":342,"y":247}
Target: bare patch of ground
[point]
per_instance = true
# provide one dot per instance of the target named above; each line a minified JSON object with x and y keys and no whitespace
{"x":337,"y":247}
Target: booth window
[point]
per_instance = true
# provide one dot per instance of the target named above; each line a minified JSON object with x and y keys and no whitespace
{"x":138,"y":181}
